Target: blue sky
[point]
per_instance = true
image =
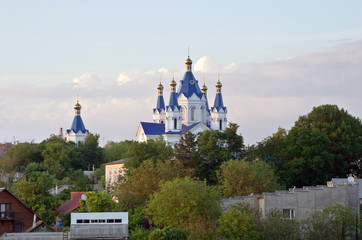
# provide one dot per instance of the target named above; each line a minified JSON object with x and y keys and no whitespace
{"x":51,"y":51}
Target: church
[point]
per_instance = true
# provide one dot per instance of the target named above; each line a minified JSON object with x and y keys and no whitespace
{"x":77,"y":131}
{"x":187,"y":111}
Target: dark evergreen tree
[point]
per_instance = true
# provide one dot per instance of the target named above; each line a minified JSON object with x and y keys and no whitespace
{"x":184,"y":150}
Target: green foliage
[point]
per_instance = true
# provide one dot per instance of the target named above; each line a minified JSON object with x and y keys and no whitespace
{"x":145,"y":179}
{"x":344,"y":133}
{"x":237,"y":224}
{"x":234,"y":142}
{"x":98,"y":202}
{"x":33,"y":191}
{"x":239,"y":177}
{"x":182,"y":203}
{"x":90,"y":151}
{"x":139,"y":234}
{"x":114,"y":151}
{"x":57,"y":155}
{"x":167,"y":234}
{"x":135,"y":221}
{"x":309,"y":159}
{"x":336,"y":222}
{"x":21,"y":155}
{"x":211,"y":153}
{"x":275,"y":227}
{"x":325,"y":143}
{"x":80,"y":181}
{"x":214,"y":148}
{"x":153,"y":150}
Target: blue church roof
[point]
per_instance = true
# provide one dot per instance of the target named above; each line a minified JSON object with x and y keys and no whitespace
{"x":159,"y":128}
{"x":77,"y":125}
{"x":189,"y":86}
{"x":173,"y":100}
{"x":153,"y":128}
{"x":218,"y":104}
{"x":160,"y":103}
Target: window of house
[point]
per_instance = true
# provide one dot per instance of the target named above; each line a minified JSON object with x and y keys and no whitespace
{"x":175,"y":123}
{"x":220,"y":123}
{"x":5,"y":210}
{"x":193,"y":114}
{"x":289,"y":213}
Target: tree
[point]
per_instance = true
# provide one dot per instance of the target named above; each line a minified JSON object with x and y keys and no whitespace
{"x":114,"y":151}
{"x":58,"y":155}
{"x":98,"y":202}
{"x":276,"y":227}
{"x":239,"y":177}
{"x":237,"y":224}
{"x":210,"y":154}
{"x":335,"y":222}
{"x":270,"y":149}
{"x":145,"y":179}
{"x":153,"y":150}
{"x":21,"y":155}
{"x":308,"y":157}
{"x":182,"y":203}
{"x":90,"y":151}
{"x":234,"y":142}
{"x":185,"y":148}
{"x":33,"y":191}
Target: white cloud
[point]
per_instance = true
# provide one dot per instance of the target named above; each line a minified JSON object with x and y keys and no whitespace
{"x":207,"y":65}
{"x":86,"y":80}
{"x":123,"y":78}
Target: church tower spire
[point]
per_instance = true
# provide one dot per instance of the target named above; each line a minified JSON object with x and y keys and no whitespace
{"x":218,"y":111}
{"x":159,"y":111}
{"x":173,"y":110}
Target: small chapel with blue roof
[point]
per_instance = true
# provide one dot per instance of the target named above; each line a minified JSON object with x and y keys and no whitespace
{"x":188,"y":111}
{"x":77,"y":131}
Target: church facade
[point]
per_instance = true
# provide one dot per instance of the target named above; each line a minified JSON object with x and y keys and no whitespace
{"x":77,"y":131}
{"x":187,"y":111}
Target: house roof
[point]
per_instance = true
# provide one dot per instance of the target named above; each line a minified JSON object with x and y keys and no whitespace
{"x":159,"y":128}
{"x":153,"y":128}
{"x":70,"y":205}
{"x":77,"y":125}
{"x":38,"y":224}
{"x":359,"y":180}
{"x":116,"y":162}
{"x":5,"y":190}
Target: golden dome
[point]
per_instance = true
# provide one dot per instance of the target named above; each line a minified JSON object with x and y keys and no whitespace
{"x":77,"y":106}
{"x":173,"y":83}
{"x":160,"y":87}
{"x":204,"y":88}
{"x":218,"y":84}
{"x":188,"y":61}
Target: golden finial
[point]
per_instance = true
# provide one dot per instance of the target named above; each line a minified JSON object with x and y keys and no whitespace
{"x":204,"y":88}
{"x":173,"y":83}
{"x":218,"y":84}
{"x":160,"y":86}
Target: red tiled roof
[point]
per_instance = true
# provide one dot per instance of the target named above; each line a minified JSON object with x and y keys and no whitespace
{"x":70,"y":205}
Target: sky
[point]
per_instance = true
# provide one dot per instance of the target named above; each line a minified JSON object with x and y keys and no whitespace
{"x":276,"y":59}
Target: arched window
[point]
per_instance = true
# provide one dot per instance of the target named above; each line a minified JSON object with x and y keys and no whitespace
{"x":175,"y":123}
{"x":220,"y":121}
{"x":202,"y":114}
{"x":193,"y":114}
{"x":183,"y":114}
